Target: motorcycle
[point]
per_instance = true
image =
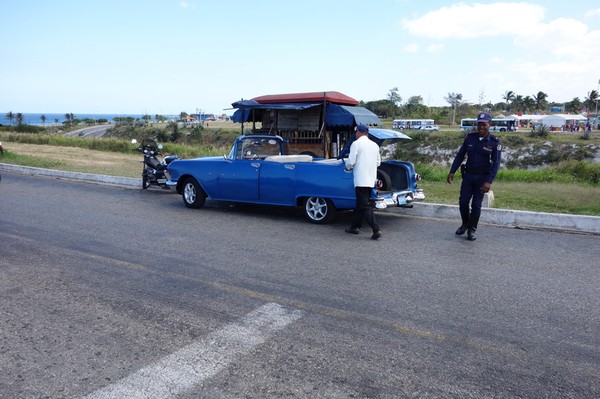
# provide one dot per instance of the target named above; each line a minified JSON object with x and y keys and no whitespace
{"x":154,"y":171}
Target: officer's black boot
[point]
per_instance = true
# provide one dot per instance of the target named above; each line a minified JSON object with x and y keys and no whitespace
{"x":461,"y":230}
{"x":471,"y":236}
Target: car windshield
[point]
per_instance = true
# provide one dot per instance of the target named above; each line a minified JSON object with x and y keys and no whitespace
{"x":257,"y":148}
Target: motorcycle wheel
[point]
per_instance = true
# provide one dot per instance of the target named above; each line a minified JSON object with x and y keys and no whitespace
{"x":145,"y":181}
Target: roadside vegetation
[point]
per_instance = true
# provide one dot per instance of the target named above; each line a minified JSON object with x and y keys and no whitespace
{"x":546,"y":173}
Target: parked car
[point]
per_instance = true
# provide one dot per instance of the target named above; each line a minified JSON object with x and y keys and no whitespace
{"x":430,"y":127}
{"x":256,"y":170}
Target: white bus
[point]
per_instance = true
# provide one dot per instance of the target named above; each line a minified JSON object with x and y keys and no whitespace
{"x":411,"y":123}
{"x":497,"y":125}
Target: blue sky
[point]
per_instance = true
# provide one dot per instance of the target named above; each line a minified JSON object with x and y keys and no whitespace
{"x":165,"y":57}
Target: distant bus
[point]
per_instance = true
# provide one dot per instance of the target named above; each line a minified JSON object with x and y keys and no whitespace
{"x":497,"y":125}
{"x":206,"y":117}
{"x":411,"y":123}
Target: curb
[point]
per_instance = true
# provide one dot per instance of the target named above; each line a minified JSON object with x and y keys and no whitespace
{"x":507,"y":217}
{"x":503,"y":217}
{"x":89,"y":177}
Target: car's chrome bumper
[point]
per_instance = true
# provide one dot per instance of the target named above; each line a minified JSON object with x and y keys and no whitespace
{"x":400,"y":198}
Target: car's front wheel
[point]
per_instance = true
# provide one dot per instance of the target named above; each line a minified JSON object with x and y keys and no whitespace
{"x":319,"y":210}
{"x":193,"y":195}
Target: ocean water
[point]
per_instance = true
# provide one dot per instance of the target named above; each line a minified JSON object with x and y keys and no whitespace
{"x":54,"y":119}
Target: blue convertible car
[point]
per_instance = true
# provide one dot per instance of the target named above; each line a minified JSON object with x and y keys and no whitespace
{"x":257,"y":171}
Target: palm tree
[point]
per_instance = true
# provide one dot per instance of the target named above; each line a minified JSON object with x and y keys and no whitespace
{"x":43,"y":119}
{"x":590,"y":100}
{"x":453,"y":99}
{"x":540,"y":100}
{"x":518,"y":103}
{"x":19,"y":117}
{"x":10,"y":116}
{"x":529,"y":104}
{"x":509,"y":97}
{"x":70,"y":118}
{"x":573,"y":106}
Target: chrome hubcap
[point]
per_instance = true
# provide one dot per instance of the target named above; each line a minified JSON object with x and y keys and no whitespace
{"x":189,"y":192}
{"x":316,"y":208}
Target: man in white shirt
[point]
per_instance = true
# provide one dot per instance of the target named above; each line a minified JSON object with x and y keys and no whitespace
{"x":364,"y":158}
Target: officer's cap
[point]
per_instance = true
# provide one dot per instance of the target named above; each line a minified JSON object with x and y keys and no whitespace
{"x":484,"y":117}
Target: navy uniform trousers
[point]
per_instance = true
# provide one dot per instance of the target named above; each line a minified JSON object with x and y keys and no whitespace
{"x":471,"y":198}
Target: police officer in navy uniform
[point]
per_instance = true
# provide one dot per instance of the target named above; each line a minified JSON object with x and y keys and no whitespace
{"x":482,"y":151}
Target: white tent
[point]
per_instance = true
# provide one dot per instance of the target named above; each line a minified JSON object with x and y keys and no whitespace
{"x":524,"y":120}
{"x":560,"y":120}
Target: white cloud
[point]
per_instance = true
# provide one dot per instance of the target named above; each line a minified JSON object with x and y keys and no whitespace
{"x":187,"y":5}
{"x":592,"y":13}
{"x":435,"y":48}
{"x":554,"y":55}
{"x":467,"y":21}
{"x":411,"y":48}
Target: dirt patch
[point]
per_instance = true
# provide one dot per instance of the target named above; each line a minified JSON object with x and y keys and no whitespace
{"x":80,"y":156}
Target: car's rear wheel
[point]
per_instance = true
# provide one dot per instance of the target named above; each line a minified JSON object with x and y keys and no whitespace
{"x":193,"y":195}
{"x":319,"y":210}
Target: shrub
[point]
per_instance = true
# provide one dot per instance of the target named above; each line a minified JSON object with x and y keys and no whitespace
{"x":24,"y":129}
{"x":540,"y":131}
{"x":585,"y":135}
{"x":584,"y":172}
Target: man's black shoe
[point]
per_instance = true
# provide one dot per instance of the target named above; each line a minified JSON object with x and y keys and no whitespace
{"x":376,"y":236}
{"x":461,"y":230}
{"x":352,"y":230}
{"x":471,"y":236}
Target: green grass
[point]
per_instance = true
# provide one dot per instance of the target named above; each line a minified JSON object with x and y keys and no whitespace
{"x":571,"y":198}
{"x":111,"y":144}
{"x":569,"y":187}
{"x":35,"y":162}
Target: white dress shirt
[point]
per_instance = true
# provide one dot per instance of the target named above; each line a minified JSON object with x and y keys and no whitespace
{"x":364,"y":158}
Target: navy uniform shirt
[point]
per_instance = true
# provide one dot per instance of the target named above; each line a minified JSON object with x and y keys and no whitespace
{"x":483,"y":156}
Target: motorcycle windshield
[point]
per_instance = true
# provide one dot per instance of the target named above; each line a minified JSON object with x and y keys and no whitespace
{"x":149,"y":143}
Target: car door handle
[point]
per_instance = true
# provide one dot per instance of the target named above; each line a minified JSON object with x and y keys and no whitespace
{"x":255,"y":164}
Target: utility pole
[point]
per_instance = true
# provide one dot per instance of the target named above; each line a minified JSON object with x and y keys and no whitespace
{"x":454,"y":114}
{"x":597,"y":94}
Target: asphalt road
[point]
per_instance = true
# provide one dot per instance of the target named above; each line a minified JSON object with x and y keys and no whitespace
{"x":93,"y":131}
{"x":109,"y":291}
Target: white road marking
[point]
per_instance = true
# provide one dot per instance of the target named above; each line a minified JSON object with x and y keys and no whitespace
{"x":189,"y":366}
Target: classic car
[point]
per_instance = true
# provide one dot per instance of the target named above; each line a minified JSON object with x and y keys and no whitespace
{"x":256,"y":170}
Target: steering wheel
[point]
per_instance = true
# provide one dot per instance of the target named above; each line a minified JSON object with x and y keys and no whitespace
{"x":251,"y":155}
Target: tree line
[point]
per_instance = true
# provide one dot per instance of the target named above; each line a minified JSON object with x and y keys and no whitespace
{"x":393,"y":106}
